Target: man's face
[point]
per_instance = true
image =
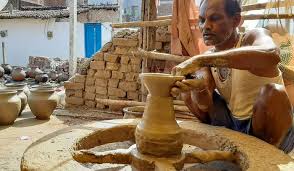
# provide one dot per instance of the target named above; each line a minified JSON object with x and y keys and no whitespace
{"x":214,"y":23}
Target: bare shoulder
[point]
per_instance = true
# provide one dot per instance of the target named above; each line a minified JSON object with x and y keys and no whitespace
{"x":257,"y":34}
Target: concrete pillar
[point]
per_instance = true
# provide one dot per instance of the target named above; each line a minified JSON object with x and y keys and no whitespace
{"x":72,"y":37}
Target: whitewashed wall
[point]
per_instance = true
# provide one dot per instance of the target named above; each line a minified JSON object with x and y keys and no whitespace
{"x":28,"y":37}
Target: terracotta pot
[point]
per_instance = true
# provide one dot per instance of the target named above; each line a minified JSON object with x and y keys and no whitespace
{"x":18,"y":74}
{"x":53,"y":75}
{"x":21,"y":94}
{"x":158,"y":127}
{"x":2,"y":71}
{"x":19,"y":86}
{"x":7,"y":68}
{"x":42,"y":78}
{"x":34,"y":71}
{"x":10,"y":105}
{"x":42,"y":102}
{"x":63,"y":77}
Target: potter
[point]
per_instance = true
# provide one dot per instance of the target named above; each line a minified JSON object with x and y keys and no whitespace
{"x":243,"y":68}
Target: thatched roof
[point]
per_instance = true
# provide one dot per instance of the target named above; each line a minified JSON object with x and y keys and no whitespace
{"x":50,"y":12}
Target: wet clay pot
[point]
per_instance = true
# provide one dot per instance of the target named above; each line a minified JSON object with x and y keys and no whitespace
{"x":21,"y":94}
{"x":18,"y":74}
{"x":42,"y":102}
{"x":7,"y":68}
{"x":158,"y":133}
{"x":41,"y":78}
{"x":34,"y":71}
{"x":10,"y":105}
{"x":1,"y":71}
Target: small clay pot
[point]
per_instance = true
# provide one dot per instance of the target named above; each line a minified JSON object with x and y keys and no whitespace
{"x":18,"y":74}
{"x":42,"y":102}
{"x":41,"y":78}
{"x":10,"y":105}
{"x":21,"y":94}
{"x":7,"y":68}
{"x":33,"y":71}
{"x":63,"y":77}
{"x":53,"y":75}
{"x":2,"y":71}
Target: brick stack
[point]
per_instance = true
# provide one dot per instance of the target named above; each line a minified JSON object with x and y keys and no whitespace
{"x":113,"y":73}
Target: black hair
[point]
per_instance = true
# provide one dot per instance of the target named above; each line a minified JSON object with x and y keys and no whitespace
{"x":232,"y":7}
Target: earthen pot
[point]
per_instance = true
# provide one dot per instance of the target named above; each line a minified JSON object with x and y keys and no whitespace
{"x":2,"y":71}
{"x":18,"y":74}
{"x":63,"y":77}
{"x":41,"y":78}
{"x":10,"y":105}
{"x":53,"y":75}
{"x":7,"y":68}
{"x":42,"y":102}
{"x":21,"y":94}
{"x":158,"y":133}
{"x":34,"y":71}
{"x":19,"y":86}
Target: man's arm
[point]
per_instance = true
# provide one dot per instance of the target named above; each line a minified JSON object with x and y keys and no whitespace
{"x":259,"y":52}
{"x":199,"y":100}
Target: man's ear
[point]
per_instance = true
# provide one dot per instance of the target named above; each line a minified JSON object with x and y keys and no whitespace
{"x":237,"y":20}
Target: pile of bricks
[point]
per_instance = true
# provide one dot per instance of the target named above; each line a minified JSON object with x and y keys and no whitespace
{"x":113,"y":73}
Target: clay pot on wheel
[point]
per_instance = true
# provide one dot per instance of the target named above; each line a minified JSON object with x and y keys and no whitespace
{"x":10,"y":105}
{"x":18,"y":74}
{"x":2,"y":71}
{"x":42,"y":102}
{"x":7,"y":68}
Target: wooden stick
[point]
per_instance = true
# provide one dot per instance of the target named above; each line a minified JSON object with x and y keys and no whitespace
{"x":126,"y":103}
{"x":156,"y":23}
{"x":267,"y":16}
{"x":159,"y":56}
{"x":260,"y":6}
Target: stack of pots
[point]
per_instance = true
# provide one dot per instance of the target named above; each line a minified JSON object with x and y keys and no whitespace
{"x":42,"y":101}
{"x":10,"y":106}
{"x":22,"y":93}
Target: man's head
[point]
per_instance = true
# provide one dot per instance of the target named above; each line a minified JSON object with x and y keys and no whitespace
{"x":218,"y":19}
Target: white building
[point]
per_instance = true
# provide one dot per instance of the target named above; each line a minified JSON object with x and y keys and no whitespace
{"x":46,"y":33}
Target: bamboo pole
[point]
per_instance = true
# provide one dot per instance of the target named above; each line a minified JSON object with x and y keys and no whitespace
{"x":159,"y":56}
{"x":126,"y":103}
{"x":156,"y":23}
{"x":260,"y":6}
{"x":267,"y":16}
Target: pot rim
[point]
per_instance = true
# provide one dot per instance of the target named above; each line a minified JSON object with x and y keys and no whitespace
{"x":3,"y":91}
{"x":15,"y":84}
{"x":42,"y":90}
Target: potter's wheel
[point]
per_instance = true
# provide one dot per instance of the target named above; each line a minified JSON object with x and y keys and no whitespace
{"x":54,"y":152}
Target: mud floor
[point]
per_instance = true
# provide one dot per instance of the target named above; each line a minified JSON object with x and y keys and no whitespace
{"x":16,"y":138}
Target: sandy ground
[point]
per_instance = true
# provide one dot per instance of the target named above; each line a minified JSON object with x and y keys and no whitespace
{"x":16,"y":138}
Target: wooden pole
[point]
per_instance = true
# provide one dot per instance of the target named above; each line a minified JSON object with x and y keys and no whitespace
{"x":159,"y":56}
{"x":72,"y":37}
{"x":156,"y":23}
{"x":260,"y":6}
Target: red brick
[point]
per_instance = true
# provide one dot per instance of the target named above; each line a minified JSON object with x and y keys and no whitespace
{"x":90,"y":96}
{"x":112,"y":66}
{"x":101,"y":90}
{"x":121,"y":50}
{"x":90,"y":103}
{"x":99,"y":56}
{"x":74,"y":100}
{"x":135,"y":60}
{"x":124,"y":59}
{"x":103,"y":74}
{"x":133,"y":95}
{"x":74,"y":86}
{"x":132,"y":76}
{"x":113,"y":83}
{"x":69,"y":93}
{"x":116,"y":92}
{"x":124,"y":42}
{"x":111,"y":57}
{"x":90,"y":89}
{"x":128,"y":86}
{"x":117,"y":75}
{"x":125,"y":68}
{"x":91,"y":72}
{"x":90,"y":81}
{"x":79,"y":93}
{"x":79,"y":78}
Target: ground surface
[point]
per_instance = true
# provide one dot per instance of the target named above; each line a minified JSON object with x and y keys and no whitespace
{"x":16,"y":138}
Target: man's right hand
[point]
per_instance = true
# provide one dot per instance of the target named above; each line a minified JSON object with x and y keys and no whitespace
{"x":187,"y":85}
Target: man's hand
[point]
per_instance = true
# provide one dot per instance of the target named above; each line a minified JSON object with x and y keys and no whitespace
{"x":187,"y":85}
{"x":187,"y":67}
